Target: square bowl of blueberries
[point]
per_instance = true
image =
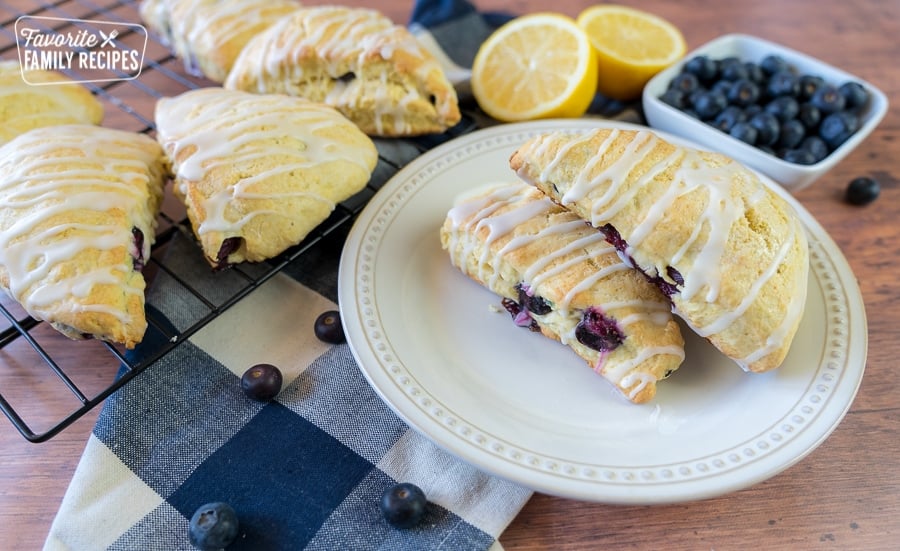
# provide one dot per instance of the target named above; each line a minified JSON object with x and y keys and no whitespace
{"x":776,"y":110}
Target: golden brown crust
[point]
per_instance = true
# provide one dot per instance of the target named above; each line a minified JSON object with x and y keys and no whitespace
{"x":739,"y":247}
{"x":210,"y":34}
{"x":356,"y":60}
{"x":258,"y":172}
{"x":35,"y":102}
{"x":511,"y":236}
{"x":77,"y":221}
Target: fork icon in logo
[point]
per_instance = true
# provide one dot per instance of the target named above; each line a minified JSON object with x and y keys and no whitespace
{"x":108,"y":39}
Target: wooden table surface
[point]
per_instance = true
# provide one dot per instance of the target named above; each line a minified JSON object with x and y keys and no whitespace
{"x":844,"y":495}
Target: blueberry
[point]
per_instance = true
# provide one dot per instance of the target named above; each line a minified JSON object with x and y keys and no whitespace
{"x":837,"y":127}
{"x":403,"y":505}
{"x":744,"y":132}
{"x":674,"y":97}
{"x":799,"y":157}
{"x":734,"y":71}
{"x":809,"y":115}
{"x":531,"y":302}
{"x":597,"y":331}
{"x":772,"y":64}
{"x":809,"y":84}
{"x":783,"y":83}
{"x":862,"y":191}
{"x":328,"y":327}
{"x":743,"y":93}
{"x":685,"y":82}
{"x":710,"y":104}
{"x":791,"y":134}
{"x":816,"y":146}
{"x":766,"y":126}
{"x":213,"y":526}
{"x":784,"y":108}
{"x":701,"y":66}
{"x":721,"y":86}
{"x":855,"y":95}
{"x":728,"y":117}
{"x":828,"y":99}
{"x":755,"y":72}
{"x":261,"y":382}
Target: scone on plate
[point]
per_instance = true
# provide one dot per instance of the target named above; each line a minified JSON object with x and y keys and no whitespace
{"x":46,"y":98}
{"x":78,"y":207}
{"x":358,"y":61}
{"x":209,"y":34}
{"x":256,"y":172}
{"x":559,"y":276}
{"x":730,"y":252}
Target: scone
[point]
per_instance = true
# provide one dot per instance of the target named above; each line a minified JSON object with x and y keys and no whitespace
{"x":731,"y":253}
{"x":209,"y":34}
{"x":78,"y":207}
{"x":257,"y":173}
{"x":356,"y":60}
{"x":47,"y":98}
{"x":559,"y":276}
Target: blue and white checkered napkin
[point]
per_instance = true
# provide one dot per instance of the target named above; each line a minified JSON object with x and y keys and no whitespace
{"x":305,"y":471}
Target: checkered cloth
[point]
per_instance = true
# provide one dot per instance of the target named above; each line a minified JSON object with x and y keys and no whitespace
{"x":305,"y":471}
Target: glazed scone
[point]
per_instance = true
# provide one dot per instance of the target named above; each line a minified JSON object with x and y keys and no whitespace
{"x":47,"y":98}
{"x":209,"y":34}
{"x":357,"y":60}
{"x":78,"y":206}
{"x":731,"y":253}
{"x":256,"y":172}
{"x":559,"y":276}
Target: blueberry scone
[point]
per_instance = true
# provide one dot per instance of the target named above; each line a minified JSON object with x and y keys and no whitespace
{"x":78,"y":207}
{"x":731,"y":253}
{"x":358,"y":61}
{"x":42,"y":98}
{"x":209,"y":34}
{"x":256,"y":172}
{"x":559,"y":276}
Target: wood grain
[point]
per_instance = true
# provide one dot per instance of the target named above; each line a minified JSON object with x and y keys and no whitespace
{"x":844,"y":495}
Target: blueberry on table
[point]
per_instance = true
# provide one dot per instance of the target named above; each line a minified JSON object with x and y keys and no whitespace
{"x":403,"y":505}
{"x":862,"y":191}
{"x":213,"y":526}
{"x":328,"y":327}
{"x":262,"y":382}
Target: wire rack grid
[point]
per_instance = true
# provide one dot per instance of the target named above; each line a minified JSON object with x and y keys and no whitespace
{"x":35,"y":366}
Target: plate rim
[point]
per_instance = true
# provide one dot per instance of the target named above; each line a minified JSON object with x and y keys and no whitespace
{"x":491,"y":453}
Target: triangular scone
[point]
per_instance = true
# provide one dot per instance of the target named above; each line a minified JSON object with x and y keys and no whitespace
{"x":258,"y":172}
{"x":357,"y":60}
{"x":730,"y":252}
{"x":78,"y":207}
{"x":209,"y":34}
{"x":42,"y":98}
{"x":558,"y":275}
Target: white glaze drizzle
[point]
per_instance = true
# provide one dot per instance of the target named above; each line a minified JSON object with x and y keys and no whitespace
{"x":334,"y":36}
{"x":241,"y":130}
{"x":721,"y":212}
{"x":474,"y":213}
{"x":76,"y":174}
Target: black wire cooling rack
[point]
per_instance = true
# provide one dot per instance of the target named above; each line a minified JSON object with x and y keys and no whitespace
{"x":30,"y":376}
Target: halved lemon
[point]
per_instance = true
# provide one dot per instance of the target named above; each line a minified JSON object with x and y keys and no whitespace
{"x":632,"y":46}
{"x":536,"y":66}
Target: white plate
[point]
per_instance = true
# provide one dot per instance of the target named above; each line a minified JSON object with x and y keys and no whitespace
{"x":525,"y":408}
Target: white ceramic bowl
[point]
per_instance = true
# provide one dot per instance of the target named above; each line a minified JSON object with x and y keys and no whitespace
{"x":748,"y":48}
